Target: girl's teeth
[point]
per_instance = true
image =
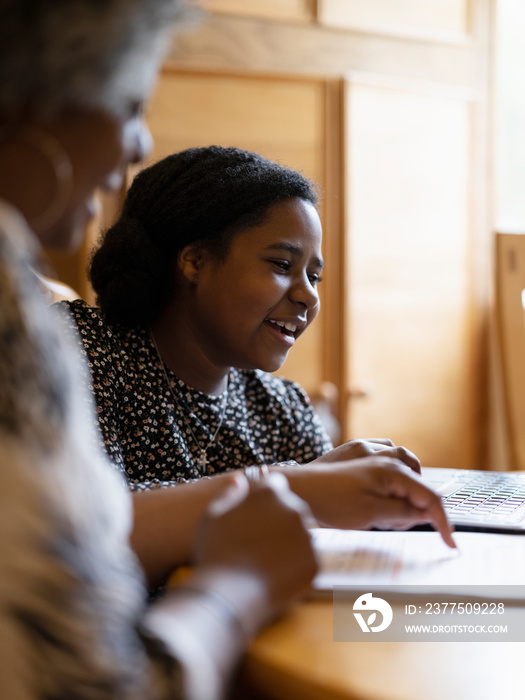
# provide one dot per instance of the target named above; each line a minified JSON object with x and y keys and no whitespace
{"x":282,"y":324}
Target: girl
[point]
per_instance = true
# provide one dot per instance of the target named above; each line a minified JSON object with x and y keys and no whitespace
{"x":205,"y":282}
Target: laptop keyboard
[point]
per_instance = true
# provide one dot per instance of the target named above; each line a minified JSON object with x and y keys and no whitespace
{"x":495,"y":499}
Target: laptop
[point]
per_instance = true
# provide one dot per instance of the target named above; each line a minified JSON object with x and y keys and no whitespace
{"x":482,"y":501}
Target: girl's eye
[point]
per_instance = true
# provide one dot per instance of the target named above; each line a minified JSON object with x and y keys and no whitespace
{"x":284,"y":265}
{"x":315,"y":279}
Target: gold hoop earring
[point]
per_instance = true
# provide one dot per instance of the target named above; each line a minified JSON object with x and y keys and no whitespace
{"x":53,"y":151}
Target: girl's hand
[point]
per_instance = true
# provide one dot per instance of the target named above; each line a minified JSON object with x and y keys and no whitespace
{"x":371,"y":492}
{"x":373,"y":447}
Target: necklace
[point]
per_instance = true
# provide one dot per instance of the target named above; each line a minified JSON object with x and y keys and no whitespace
{"x":201,"y":461}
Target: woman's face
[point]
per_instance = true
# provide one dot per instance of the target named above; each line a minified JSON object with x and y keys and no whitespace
{"x":100,"y":147}
{"x":251,"y":307}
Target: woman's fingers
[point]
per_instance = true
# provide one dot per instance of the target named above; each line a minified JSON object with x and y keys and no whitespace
{"x":281,"y":485}
{"x":260,"y":529}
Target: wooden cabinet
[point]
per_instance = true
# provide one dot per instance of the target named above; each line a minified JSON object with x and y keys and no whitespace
{"x":396,"y":333}
{"x":387,"y":106}
{"x":298,"y":10}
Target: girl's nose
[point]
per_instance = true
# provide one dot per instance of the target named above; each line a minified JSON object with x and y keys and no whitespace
{"x":305,"y":293}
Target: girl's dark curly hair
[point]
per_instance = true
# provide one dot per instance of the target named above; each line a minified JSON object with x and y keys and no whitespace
{"x":201,"y":194}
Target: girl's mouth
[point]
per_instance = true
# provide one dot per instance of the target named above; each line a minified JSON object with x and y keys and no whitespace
{"x":284,"y":327}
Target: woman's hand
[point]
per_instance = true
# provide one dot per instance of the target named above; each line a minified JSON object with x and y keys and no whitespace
{"x":371,"y":492}
{"x":253,"y":557}
{"x":260,"y":533}
{"x":373,"y":447}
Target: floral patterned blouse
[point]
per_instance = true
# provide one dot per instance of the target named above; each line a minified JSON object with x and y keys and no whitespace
{"x":155,"y":432}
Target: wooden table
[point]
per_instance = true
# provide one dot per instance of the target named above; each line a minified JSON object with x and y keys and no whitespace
{"x":296,"y":659}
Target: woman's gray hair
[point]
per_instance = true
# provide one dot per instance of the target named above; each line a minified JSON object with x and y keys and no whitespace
{"x":57,"y":54}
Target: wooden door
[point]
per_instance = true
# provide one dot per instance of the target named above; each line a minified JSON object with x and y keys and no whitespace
{"x":410,"y":341}
{"x":510,"y":316}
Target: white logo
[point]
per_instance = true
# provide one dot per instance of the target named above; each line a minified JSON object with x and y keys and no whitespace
{"x":368,"y":603}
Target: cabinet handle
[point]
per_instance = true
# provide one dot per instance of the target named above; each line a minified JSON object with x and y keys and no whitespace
{"x":325,"y":404}
{"x":362,"y":391}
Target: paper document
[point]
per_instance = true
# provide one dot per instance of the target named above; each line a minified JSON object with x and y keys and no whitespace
{"x":355,"y":558}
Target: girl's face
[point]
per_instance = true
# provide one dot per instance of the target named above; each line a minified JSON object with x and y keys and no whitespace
{"x":251,"y":307}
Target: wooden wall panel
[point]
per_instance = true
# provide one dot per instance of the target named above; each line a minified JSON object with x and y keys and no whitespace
{"x":300,"y":10}
{"x":409,"y":282}
{"x":439,"y":20}
{"x":232,"y":43}
{"x":283,"y":119}
{"x":261,"y":114}
{"x":226,"y":88}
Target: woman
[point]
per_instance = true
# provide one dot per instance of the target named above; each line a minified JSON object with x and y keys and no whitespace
{"x":73,"y":621}
{"x":204,"y":284}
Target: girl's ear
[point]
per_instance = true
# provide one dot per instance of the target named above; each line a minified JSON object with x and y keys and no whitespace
{"x":190,"y":260}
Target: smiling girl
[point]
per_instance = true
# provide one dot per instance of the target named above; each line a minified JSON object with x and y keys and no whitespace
{"x":203,"y":285}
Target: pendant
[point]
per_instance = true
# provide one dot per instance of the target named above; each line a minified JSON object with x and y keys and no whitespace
{"x":201,"y":462}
